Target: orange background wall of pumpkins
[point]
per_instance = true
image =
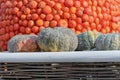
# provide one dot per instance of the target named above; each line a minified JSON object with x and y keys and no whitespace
{"x":31,"y":16}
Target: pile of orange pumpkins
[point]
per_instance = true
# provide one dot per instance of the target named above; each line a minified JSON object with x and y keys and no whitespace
{"x":31,"y":16}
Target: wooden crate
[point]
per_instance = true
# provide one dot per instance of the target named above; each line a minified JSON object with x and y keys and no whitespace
{"x":86,"y":65}
{"x":61,"y":71}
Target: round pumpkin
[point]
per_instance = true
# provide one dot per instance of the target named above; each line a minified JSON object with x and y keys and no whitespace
{"x":110,"y":41}
{"x":86,"y":40}
{"x":23,"y":43}
{"x":57,"y":39}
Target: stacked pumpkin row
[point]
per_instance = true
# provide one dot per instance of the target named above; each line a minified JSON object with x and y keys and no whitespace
{"x":92,"y":40}
{"x":63,"y":39}
{"x":31,"y":16}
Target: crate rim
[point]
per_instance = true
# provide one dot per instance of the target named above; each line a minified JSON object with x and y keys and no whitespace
{"x":75,"y":56}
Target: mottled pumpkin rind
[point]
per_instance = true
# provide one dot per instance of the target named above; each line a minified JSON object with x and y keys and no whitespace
{"x":110,"y":41}
{"x":23,"y":43}
{"x":86,"y":40}
{"x":57,"y":39}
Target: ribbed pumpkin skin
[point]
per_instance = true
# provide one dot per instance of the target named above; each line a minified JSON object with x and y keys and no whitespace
{"x":23,"y":43}
{"x":86,"y":40}
{"x":57,"y":39}
{"x":108,"y":41}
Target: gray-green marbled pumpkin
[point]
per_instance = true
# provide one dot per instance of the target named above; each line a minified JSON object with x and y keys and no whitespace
{"x":86,"y":40}
{"x":110,"y":41}
{"x":57,"y":39}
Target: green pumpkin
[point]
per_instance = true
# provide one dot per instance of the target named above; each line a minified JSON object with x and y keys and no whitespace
{"x":57,"y":39}
{"x":86,"y":40}
{"x":110,"y":41}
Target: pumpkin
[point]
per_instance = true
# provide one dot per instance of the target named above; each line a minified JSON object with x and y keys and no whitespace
{"x":23,"y":43}
{"x":86,"y":40}
{"x":57,"y":39}
{"x":110,"y":41}
{"x":31,"y":16}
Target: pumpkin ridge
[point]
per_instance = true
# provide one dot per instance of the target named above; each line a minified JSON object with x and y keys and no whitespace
{"x":60,"y":41}
{"x":79,"y":37}
{"x":87,"y":45}
{"x":92,"y":38}
{"x":103,"y":41}
{"x":107,"y":40}
{"x":52,"y":41}
{"x":114,"y":42}
{"x":118,"y":41}
{"x":99,"y":40}
{"x":89,"y":32}
{"x":111,"y":40}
